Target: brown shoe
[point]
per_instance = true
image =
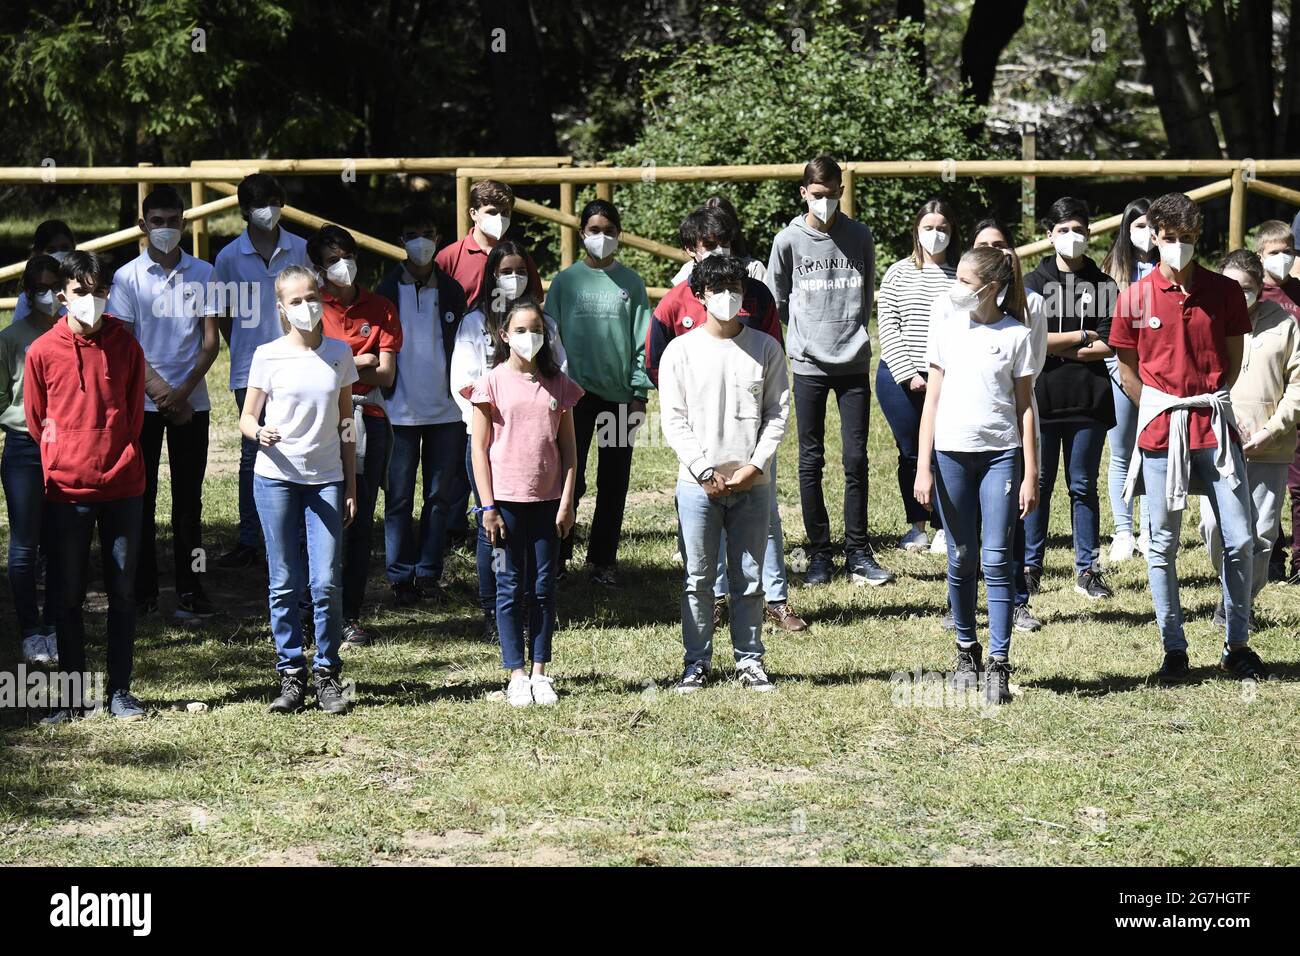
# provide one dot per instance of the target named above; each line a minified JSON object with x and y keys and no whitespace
{"x":783,"y":616}
{"x":719,"y":612}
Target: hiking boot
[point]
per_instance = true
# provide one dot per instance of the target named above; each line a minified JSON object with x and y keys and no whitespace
{"x":1174,"y":670}
{"x":719,"y":612}
{"x":782,"y":615}
{"x":293,"y":691}
{"x":1244,"y":664}
{"x":329,"y":691}
{"x":997,"y":682}
{"x":970,"y":663}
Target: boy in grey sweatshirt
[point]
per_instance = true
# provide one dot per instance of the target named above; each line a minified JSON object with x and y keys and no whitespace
{"x":822,"y":272}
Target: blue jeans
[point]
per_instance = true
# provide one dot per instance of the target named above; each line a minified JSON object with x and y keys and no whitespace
{"x":1233,"y":514}
{"x":359,"y":535}
{"x":437,"y":451}
{"x":526,"y":580}
{"x":974,"y":488}
{"x":287,"y":509}
{"x":902,"y":408}
{"x":250,"y":532}
{"x":744,"y":519}
{"x":1123,"y":447}
{"x":1081,"y":443}
{"x":73,"y":526}
{"x":775,"y":589}
{"x":29,"y":516}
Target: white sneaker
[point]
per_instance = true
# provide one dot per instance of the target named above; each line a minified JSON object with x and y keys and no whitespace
{"x":1144,"y":543}
{"x":544,"y":691}
{"x":939,"y":544}
{"x":52,"y":647}
{"x":519,"y":692}
{"x":36,"y":651}
{"x":1121,"y":547}
{"x":914,"y":541}
{"x":677,"y":557}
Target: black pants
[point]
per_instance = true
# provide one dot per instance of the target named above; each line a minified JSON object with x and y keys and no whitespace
{"x":358,"y":539}
{"x":608,"y":422}
{"x":853,"y":396}
{"x":187,"y":460}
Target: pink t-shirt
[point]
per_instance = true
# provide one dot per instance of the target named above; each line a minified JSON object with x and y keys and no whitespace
{"x":524,"y":453}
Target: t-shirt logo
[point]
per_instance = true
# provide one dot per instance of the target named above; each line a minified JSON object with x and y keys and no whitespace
{"x":687,"y":322}
{"x":365,"y":329}
{"x":449,"y":317}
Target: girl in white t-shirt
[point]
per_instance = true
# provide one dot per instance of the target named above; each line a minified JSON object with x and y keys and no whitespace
{"x":304,"y":483}
{"x":978,"y":410}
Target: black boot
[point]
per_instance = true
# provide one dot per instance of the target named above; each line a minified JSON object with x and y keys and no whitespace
{"x":329,"y":691}
{"x":293,"y":691}
{"x":490,"y":633}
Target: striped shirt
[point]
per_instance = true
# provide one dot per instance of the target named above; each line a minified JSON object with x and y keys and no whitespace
{"x":903,"y":314}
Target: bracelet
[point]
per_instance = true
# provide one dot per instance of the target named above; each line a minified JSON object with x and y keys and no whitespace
{"x":257,"y":435}
{"x":479,"y":511}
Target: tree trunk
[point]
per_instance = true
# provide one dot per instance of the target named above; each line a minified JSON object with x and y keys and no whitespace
{"x":991,"y":26}
{"x":1242,"y":75}
{"x":1176,"y":83}
{"x":522,"y":123}
{"x":914,"y":10}
{"x":1288,"y":124}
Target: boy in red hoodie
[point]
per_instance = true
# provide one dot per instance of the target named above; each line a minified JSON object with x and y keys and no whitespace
{"x":84,"y":399}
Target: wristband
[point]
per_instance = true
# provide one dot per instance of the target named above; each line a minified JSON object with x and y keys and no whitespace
{"x":479,"y":511}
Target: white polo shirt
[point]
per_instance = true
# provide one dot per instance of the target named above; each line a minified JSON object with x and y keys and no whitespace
{"x":165,"y":309}
{"x":421,"y":394}
{"x":249,"y":288}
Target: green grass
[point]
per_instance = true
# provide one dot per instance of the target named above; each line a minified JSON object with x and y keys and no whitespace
{"x":1088,"y":766}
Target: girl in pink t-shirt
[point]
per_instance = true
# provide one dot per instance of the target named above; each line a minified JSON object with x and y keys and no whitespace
{"x":524,"y":455}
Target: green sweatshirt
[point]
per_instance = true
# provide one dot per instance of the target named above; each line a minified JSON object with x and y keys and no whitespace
{"x":603,"y":316}
{"x":14,"y":341}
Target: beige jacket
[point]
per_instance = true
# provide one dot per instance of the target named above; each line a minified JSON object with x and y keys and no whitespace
{"x":1267,"y":394}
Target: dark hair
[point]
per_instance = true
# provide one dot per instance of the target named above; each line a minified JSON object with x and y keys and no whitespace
{"x":329,"y":236}
{"x":35,"y":266}
{"x":600,"y":207}
{"x":943,"y":209}
{"x":823,"y":170}
{"x":1174,"y":211}
{"x":485,"y":301}
{"x":707,"y":222}
{"x":490,"y":192}
{"x":1122,"y":256}
{"x":161,"y":197}
{"x":546,"y":364}
{"x":995,"y":265}
{"x":83,"y":267}
{"x":1245,"y":261}
{"x":1063,"y":210}
{"x":48,"y":231}
{"x":716,"y":272}
{"x":738,"y":244}
{"x":417,"y":214}
{"x":259,"y":189}
{"x":992,"y":222}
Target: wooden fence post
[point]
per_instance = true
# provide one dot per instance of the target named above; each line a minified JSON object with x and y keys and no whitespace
{"x":1028,"y":184}
{"x":198,"y":227}
{"x":462,"y":206}
{"x":142,"y":190}
{"x":1237,"y":212}
{"x":568,"y":235}
{"x":847,"y":201}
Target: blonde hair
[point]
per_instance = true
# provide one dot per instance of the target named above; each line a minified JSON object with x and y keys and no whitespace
{"x":1003,"y":267}
{"x":288,"y":274}
{"x":1271,"y":230}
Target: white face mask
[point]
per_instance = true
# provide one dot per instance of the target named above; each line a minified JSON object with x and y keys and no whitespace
{"x":963,"y":298}
{"x":715,"y":251}
{"x":59,"y":256}
{"x":1278,"y":265}
{"x":600,"y":246}
{"x":723,"y":306}
{"x":343,"y":272}
{"x":494,"y":225}
{"x":526,"y":344}
{"x":164,"y":240}
{"x":1070,"y":245}
{"x":419,"y":250}
{"x":264,"y":217}
{"x":1251,"y":297}
{"x":45,"y":302}
{"x":304,"y":316}
{"x":1176,"y":255}
{"x":1140,"y":236}
{"x":934,"y":241}
{"x":823,"y":208}
{"x":87,"y":309}
{"x":512,"y":286}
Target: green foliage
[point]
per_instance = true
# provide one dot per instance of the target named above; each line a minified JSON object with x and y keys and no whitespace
{"x":761,"y":96}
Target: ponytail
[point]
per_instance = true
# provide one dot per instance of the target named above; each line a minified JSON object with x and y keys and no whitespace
{"x":1003,"y":267}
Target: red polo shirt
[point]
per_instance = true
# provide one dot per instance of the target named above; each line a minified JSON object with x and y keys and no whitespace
{"x":1181,"y":341}
{"x":679,"y":312}
{"x":1287,"y":295}
{"x":465,"y":262}
{"x":368,"y":325}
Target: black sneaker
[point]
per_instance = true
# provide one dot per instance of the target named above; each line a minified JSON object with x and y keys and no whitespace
{"x":969,"y":665}
{"x":694,"y":678}
{"x":293,"y":691}
{"x":1174,"y":670}
{"x":1090,"y":583}
{"x":490,"y":633}
{"x":604,"y":576}
{"x":752,"y":677}
{"x":1244,"y":664}
{"x":719,"y":612}
{"x":1022,"y":619}
{"x":820,"y":570}
{"x":194,"y":606}
{"x":240,"y":556}
{"x":997,"y":682}
{"x":354,"y":635}
{"x":1276,"y":572}
{"x":406,"y":594}
{"x":1220,"y":617}
{"x":329,"y":691}
{"x":1034,"y":579}
{"x":863,"y":569}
